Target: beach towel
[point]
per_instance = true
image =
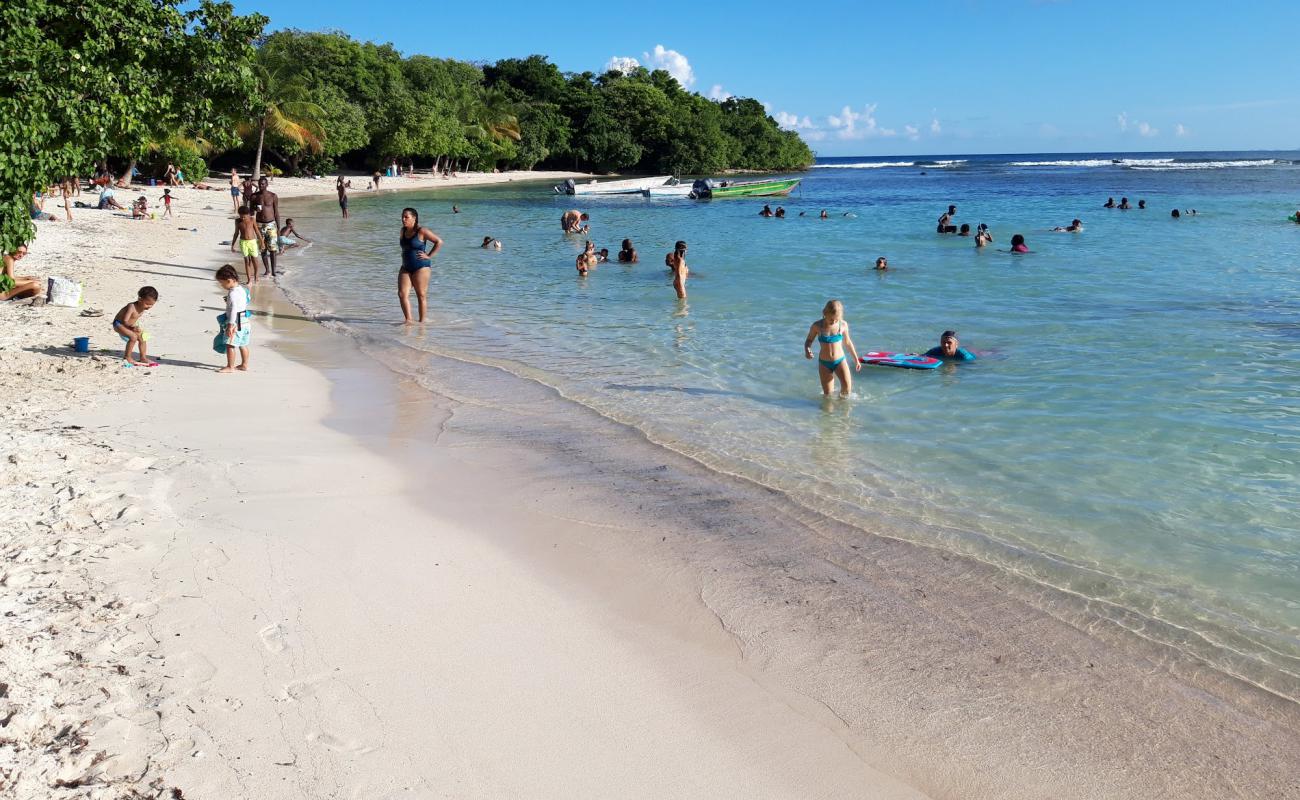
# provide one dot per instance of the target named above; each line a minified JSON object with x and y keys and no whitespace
{"x":63,"y":292}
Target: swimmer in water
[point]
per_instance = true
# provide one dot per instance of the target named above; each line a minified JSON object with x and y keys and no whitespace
{"x":676,"y":263}
{"x":1123,"y":204}
{"x":945,"y":220}
{"x":982,"y":236}
{"x":766,"y":212}
{"x":628,"y":254}
{"x":882,"y":264}
{"x":950,"y":349}
{"x":573,"y":221}
{"x":825,"y":215}
{"x":1142,"y":204}
{"x":1018,"y":244}
{"x":1074,"y":227}
{"x":780,"y":212}
{"x":490,"y":244}
{"x":832,"y":331}
{"x":1110,"y":203}
{"x":603,"y":256}
{"x":1175,"y":214}
{"x":965,"y":229}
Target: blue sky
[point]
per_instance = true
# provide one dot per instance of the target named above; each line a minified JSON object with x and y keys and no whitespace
{"x":944,"y":76}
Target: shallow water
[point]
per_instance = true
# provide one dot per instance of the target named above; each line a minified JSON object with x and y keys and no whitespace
{"x":1128,"y":434}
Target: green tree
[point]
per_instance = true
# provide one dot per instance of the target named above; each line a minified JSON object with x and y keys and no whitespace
{"x":283,"y":108}
{"x":82,"y":81}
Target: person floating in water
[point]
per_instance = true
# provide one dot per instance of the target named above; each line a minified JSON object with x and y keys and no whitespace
{"x":1142,"y":205}
{"x":418,"y":244}
{"x":1074,"y":227}
{"x":780,"y":212}
{"x":882,"y":264}
{"x":1123,"y":204}
{"x":676,"y":263}
{"x":832,"y":331}
{"x":574,"y":221}
{"x":766,"y":212}
{"x":825,"y":215}
{"x":965,"y":229}
{"x":490,"y":244}
{"x":983,"y":236}
{"x":1175,"y":214}
{"x":950,"y":349}
{"x":1018,"y":244}
{"x":1110,"y":203}
{"x":628,"y":254}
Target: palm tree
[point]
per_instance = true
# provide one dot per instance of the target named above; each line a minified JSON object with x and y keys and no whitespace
{"x":283,"y":108}
{"x":487,"y":114}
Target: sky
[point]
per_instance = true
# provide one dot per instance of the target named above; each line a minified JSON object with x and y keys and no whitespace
{"x":906,"y":78}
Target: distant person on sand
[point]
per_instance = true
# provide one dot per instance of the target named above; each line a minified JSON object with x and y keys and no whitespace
{"x":127,"y":325}
{"x":418,"y":246}
{"x":766,"y":212}
{"x":16,"y":287}
{"x":945,"y":221}
{"x":140,"y":208}
{"x":950,"y":349}
{"x":341,"y":186}
{"x":983,"y":236}
{"x":627,"y":255}
{"x":108,"y":200}
{"x":832,"y":331}
{"x":574,"y":221}
{"x":167,"y":203}
{"x":169,"y":176}
{"x":882,"y":264}
{"x":234,"y":190}
{"x":247,"y":237}
{"x":375,"y":179}
{"x":268,"y":221}
{"x":676,"y":263}
{"x":237,"y":330}
{"x":1018,"y":244}
{"x":1074,"y":227}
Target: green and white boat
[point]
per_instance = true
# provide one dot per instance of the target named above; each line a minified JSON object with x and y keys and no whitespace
{"x":763,"y":188}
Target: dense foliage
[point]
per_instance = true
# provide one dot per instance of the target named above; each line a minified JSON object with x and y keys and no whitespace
{"x":81,"y":81}
{"x":518,"y":113}
{"x":142,"y":81}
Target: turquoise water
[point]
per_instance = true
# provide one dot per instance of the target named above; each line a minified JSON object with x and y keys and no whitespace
{"x":1128,"y":434}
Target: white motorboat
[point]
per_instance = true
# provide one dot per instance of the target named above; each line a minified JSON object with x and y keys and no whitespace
{"x":625,"y":186}
{"x":672,"y":190}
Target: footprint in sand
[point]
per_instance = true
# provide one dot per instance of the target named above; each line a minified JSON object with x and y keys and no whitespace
{"x":273,"y":638}
{"x":339,"y":745}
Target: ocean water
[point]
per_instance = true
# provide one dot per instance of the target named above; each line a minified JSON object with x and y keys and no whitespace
{"x":1130,"y":433}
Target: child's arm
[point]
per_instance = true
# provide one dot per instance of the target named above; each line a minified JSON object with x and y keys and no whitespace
{"x":853,"y":351}
{"x":807,"y":342}
{"x":234,"y":237}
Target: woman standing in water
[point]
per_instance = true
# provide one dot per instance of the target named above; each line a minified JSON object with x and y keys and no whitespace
{"x":418,"y":246}
{"x":832,"y":330}
{"x":676,"y":263}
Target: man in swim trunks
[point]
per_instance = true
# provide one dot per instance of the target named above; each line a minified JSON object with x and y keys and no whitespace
{"x":268,"y":222}
{"x":572,"y":221}
{"x":342,"y":187}
{"x":950,"y":349}
{"x":945,"y":221}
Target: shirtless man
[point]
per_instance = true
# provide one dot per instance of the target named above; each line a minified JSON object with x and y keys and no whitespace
{"x":342,"y":186}
{"x":676,"y":262}
{"x":268,"y":222}
{"x":572,"y":221}
{"x":234,"y":189}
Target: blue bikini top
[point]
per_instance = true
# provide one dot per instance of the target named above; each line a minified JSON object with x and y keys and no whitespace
{"x":830,"y":339}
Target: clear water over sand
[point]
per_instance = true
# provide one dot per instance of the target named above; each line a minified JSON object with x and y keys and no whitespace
{"x":1129,"y":433}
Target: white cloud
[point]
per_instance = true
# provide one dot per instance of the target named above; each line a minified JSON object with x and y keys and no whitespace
{"x":624,"y":64}
{"x":912,"y":132}
{"x":718,"y":93}
{"x":1142,"y":128}
{"x":1180,"y":131}
{"x":850,"y":124}
{"x":935,"y":128}
{"x":1146,"y":130}
{"x":792,"y":122}
{"x":673,"y":62}
{"x":1122,"y":119}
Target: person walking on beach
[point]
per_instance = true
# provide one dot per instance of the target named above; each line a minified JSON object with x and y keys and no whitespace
{"x":16,"y":287}
{"x":167,"y":203}
{"x":127,"y":325}
{"x":247,"y":237}
{"x":676,"y":263}
{"x":236,"y":330}
{"x":342,"y":187}
{"x":627,"y":255}
{"x":832,"y":331}
{"x":234,"y":190}
{"x":418,"y":245}
{"x":268,"y":221}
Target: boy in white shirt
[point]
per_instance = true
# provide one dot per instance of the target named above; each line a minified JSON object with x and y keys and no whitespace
{"x":236,"y":327}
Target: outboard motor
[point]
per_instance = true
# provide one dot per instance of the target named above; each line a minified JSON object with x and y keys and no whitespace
{"x":569,"y":187}
{"x":702,"y":188}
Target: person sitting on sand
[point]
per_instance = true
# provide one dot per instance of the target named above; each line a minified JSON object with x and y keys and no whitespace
{"x":236,"y":329}
{"x":289,"y":236}
{"x":127,"y":325}
{"x":627,"y":255}
{"x":766,"y":212}
{"x":945,"y":221}
{"x":17,"y":287}
{"x":950,"y":349}
{"x":983,"y":237}
{"x":108,"y":200}
{"x":574,"y":221}
{"x":1074,"y":227}
{"x":882,"y":264}
{"x":965,"y":229}
{"x":1018,"y":244}
{"x":1110,"y":203}
{"x":1123,"y":204}
{"x":832,"y":331}
{"x":676,"y":263}
{"x":140,"y":208}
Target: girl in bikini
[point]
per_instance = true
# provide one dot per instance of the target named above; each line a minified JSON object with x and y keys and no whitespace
{"x":832,"y":330}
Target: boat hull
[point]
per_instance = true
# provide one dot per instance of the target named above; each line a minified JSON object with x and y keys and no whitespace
{"x":756,"y":189}
{"x":628,"y":186}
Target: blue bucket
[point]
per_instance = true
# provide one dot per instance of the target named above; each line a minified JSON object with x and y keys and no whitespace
{"x":81,"y":344}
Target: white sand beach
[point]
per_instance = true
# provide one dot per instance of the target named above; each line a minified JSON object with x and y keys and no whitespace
{"x":320,"y":579}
